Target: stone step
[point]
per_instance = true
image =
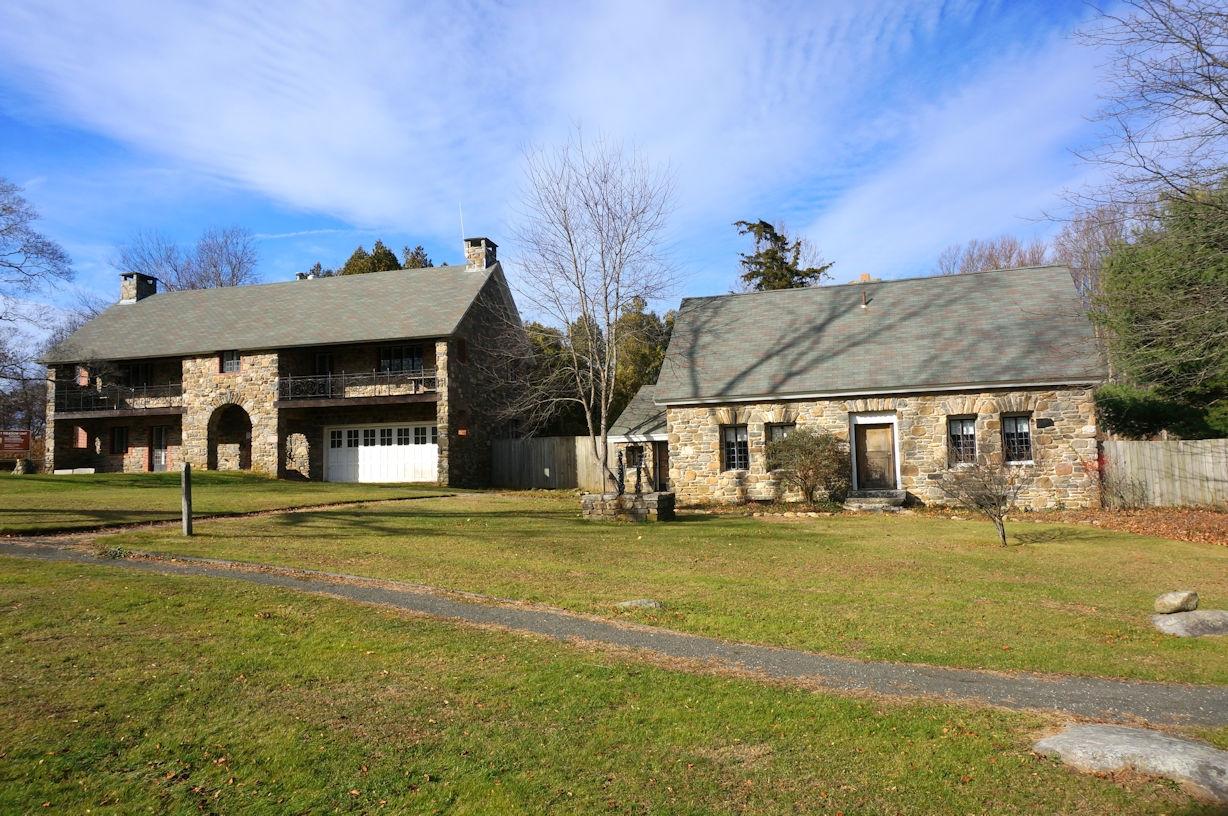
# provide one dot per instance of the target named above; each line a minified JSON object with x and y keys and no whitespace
{"x":880,"y":500}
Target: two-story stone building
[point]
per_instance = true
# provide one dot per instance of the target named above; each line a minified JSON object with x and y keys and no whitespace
{"x":375,"y":377}
{"x":919,"y":376}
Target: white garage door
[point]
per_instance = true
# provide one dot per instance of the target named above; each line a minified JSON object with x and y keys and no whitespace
{"x":381,"y":453}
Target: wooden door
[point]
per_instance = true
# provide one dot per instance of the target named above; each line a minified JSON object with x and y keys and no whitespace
{"x":875,"y":457}
{"x":660,"y":465}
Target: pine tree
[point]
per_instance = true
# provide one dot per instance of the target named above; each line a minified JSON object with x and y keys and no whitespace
{"x":383,"y":258}
{"x":415,"y":258}
{"x":776,"y":262}
{"x":359,"y":263}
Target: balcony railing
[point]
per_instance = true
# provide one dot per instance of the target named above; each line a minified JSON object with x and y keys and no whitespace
{"x":363,"y":384}
{"x":118,"y":397}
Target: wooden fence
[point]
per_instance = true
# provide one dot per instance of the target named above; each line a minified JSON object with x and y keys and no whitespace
{"x":1158,"y":474}
{"x":548,"y":462}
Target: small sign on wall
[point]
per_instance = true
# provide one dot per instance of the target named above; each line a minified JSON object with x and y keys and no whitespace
{"x":14,"y":441}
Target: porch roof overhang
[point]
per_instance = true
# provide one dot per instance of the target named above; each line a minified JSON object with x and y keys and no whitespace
{"x":645,"y":437}
{"x":105,"y":413}
{"x":346,"y":402}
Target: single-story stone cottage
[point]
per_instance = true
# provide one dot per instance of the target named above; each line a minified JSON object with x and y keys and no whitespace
{"x":918,"y":375}
{"x":375,"y":377}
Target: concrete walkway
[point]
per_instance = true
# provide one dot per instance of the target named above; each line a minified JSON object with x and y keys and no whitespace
{"x":1106,"y":700}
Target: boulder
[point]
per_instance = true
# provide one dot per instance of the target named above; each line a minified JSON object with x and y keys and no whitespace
{"x":1193,"y":624}
{"x":640,"y":603}
{"x":1200,"y":768}
{"x":1180,"y":601}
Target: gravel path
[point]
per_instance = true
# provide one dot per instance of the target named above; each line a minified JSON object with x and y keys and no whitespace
{"x":1111,"y":700}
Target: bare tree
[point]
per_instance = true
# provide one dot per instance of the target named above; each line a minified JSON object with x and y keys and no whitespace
{"x":1085,"y":241}
{"x":1167,"y":112}
{"x":29,"y":261}
{"x":1003,"y":252}
{"x":986,"y":487}
{"x":222,"y":256}
{"x":593,"y":218}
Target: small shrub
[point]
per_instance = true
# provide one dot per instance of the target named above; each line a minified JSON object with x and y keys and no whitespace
{"x":812,"y":461}
{"x":986,"y":487}
{"x":113,"y":552}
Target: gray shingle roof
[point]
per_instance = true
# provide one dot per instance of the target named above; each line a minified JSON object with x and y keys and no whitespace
{"x":400,"y":304}
{"x":1008,"y":326}
{"x":642,"y":417}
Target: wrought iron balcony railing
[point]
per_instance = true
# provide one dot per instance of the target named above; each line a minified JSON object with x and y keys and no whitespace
{"x":118,"y":397}
{"x":363,"y":384}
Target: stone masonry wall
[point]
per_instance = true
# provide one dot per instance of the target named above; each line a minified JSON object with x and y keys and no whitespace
{"x":253,"y":388}
{"x":647,"y":468}
{"x":1063,"y":440}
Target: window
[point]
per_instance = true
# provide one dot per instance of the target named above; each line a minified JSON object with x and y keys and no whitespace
{"x":402,"y":436}
{"x":324,"y":363}
{"x":399,"y":359}
{"x":230,"y":362}
{"x":81,"y":440}
{"x":385,"y":436}
{"x":119,"y":440}
{"x":635,"y":456}
{"x":434,"y":435}
{"x":961,"y":440}
{"x":734,"y":447}
{"x":777,"y":431}
{"x":334,"y":439}
{"x":137,"y":375}
{"x":1017,"y":438}
{"x":368,"y":437}
{"x":351,"y":437}
{"x":420,"y":436}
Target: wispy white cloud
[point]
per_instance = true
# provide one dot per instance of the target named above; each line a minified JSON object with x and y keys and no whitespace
{"x":860,"y":120}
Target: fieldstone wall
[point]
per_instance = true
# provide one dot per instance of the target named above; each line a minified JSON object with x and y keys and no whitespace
{"x":253,"y":388}
{"x":628,"y":506}
{"x":1063,"y":440}
{"x":54,"y":436}
{"x":646,"y":469}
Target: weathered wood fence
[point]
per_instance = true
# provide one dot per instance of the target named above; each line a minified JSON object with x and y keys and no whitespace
{"x":547,"y":462}
{"x":1166,"y":473}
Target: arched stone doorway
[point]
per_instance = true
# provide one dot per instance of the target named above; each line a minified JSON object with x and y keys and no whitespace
{"x":230,"y":439}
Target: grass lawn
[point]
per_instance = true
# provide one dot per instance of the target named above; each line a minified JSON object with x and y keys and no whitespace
{"x":1071,"y":599}
{"x":134,"y":693}
{"x":40,"y":502}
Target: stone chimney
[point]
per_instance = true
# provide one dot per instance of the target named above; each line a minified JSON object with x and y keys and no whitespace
{"x":480,"y":252}
{"x":134,"y":286}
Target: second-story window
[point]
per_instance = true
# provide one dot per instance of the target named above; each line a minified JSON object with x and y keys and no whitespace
{"x":230,"y":362}
{"x":400,"y":359}
{"x":136,"y":375}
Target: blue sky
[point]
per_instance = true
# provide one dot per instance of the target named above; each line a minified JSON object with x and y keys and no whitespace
{"x":883,"y":130}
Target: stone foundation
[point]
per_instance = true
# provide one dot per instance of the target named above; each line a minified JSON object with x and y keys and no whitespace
{"x":629,"y":506}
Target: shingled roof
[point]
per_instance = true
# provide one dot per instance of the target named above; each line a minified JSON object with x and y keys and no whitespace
{"x":1008,"y":327}
{"x":642,"y":420}
{"x":394,"y":305}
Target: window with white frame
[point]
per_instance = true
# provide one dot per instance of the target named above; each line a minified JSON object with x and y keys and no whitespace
{"x":735,"y":448}
{"x":230,"y":362}
{"x":961,"y":440}
{"x":335,"y":439}
{"x":385,"y":436}
{"x":402,"y":436}
{"x":368,"y":437}
{"x":1017,"y":437}
{"x":421,"y":435}
{"x":351,"y":438}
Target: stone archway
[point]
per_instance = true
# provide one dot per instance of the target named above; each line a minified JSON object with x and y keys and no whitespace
{"x":230,"y":438}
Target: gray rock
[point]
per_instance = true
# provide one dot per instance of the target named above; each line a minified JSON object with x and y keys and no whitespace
{"x":1182,"y":601}
{"x":1193,"y":624}
{"x":640,"y":603}
{"x":1196,"y":766}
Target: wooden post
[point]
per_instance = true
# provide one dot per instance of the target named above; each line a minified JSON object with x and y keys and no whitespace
{"x":186,"y":481}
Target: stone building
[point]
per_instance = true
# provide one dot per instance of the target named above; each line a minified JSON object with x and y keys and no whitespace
{"x":376,"y":377}
{"x":919,"y":376}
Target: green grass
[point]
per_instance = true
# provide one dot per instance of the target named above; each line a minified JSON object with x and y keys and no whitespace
{"x":38,"y":503}
{"x":1070,"y":599}
{"x":134,"y":693}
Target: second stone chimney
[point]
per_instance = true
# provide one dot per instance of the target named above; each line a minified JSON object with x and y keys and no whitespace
{"x":480,"y":252}
{"x":134,"y":286}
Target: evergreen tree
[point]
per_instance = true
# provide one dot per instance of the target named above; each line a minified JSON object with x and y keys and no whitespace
{"x":415,"y":258}
{"x":777,"y":261}
{"x":642,"y":339}
{"x":383,"y":259}
{"x":359,"y":263}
